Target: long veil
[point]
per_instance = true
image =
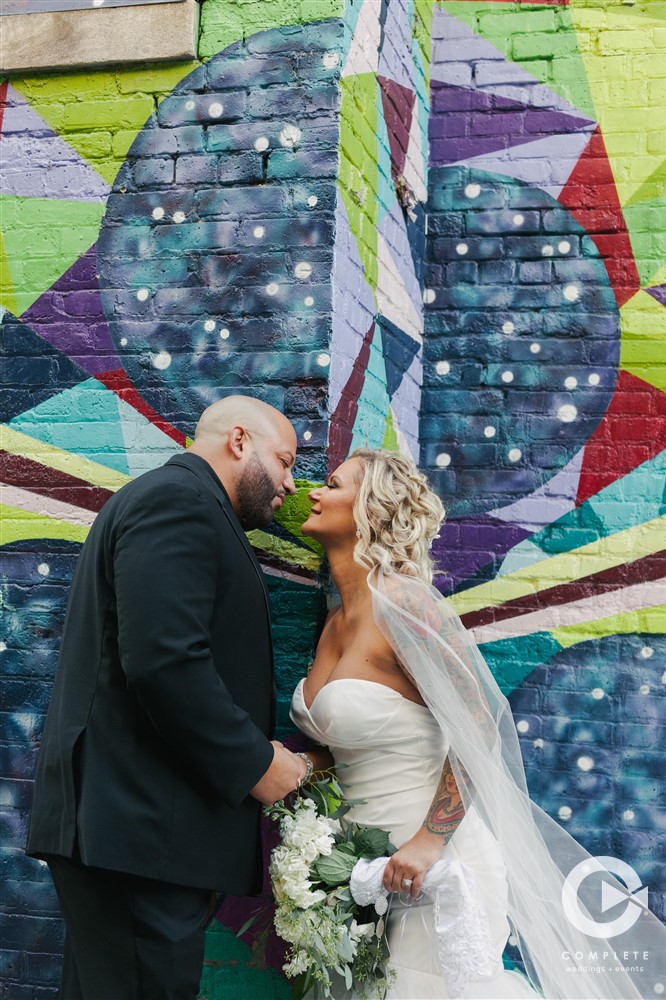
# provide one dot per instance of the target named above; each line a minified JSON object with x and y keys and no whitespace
{"x":565,"y":957}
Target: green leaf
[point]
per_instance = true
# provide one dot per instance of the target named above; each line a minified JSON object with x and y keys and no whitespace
{"x":371,"y":843}
{"x":335,"y":869}
{"x":246,"y":926}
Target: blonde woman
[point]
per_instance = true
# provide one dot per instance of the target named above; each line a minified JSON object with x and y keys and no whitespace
{"x":402,"y":697}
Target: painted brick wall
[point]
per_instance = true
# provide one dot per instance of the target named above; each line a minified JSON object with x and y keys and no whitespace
{"x":433,"y":226}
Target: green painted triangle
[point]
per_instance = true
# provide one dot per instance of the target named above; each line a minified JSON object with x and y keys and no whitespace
{"x":42,"y":239}
{"x":100,"y":113}
{"x":7,"y":297}
{"x":552,"y":54}
{"x":83,"y":420}
{"x":645,"y":221}
{"x":422,"y":32}
{"x":390,"y":441}
{"x":652,"y":188}
{"x":295,"y":511}
{"x":358,"y":176}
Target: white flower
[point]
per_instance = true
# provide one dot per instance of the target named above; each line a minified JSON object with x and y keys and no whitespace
{"x":359,"y":931}
{"x":299,"y":963}
{"x":290,"y":875}
{"x":308,"y":833}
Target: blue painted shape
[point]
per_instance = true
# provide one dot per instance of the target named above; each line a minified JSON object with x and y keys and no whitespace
{"x":33,"y":371}
{"x":213,"y":242}
{"x":83,"y":420}
{"x":399,"y":350}
{"x":586,"y":701}
{"x":497,"y":298}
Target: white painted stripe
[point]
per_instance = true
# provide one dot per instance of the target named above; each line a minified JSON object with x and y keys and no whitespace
{"x":641,"y":595}
{"x":46,"y":506}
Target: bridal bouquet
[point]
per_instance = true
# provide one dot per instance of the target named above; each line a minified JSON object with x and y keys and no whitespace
{"x":327,"y":931}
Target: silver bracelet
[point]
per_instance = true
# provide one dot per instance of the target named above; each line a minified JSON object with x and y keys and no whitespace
{"x":308,"y":765}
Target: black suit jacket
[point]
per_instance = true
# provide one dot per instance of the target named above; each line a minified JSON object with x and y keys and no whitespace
{"x":163,"y":701}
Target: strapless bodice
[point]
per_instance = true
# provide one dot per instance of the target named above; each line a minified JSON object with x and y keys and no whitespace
{"x":391,"y":749}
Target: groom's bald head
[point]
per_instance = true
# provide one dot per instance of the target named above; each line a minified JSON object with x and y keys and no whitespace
{"x":252,"y":448}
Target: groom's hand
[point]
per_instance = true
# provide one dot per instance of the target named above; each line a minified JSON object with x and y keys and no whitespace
{"x":282,"y":777}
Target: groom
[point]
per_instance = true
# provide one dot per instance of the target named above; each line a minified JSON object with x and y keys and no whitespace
{"x":156,"y":753}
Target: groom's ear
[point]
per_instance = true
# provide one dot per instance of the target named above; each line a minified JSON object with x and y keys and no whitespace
{"x":238,"y":441}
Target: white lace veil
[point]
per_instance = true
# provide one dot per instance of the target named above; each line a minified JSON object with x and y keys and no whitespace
{"x":563,"y":962}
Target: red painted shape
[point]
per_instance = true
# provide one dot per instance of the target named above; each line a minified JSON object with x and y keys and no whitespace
{"x":118,"y":382}
{"x":342,"y":421}
{"x":398,"y":105}
{"x":591,"y":197}
{"x":3,"y":101}
{"x":16,"y":470}
{"x":632,"y":430}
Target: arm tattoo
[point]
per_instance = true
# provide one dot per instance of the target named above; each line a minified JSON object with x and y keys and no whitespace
{"x":447,"y":810}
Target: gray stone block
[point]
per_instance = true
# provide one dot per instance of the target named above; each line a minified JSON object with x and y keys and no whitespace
{"x":100,"y":37}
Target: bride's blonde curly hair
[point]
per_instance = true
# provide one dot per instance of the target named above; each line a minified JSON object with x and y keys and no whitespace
{"x":397,"y":515}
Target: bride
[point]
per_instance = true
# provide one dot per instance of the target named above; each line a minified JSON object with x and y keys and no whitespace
{"x":403,"y":699}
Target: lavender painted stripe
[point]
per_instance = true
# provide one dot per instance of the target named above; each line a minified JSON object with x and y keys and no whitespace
{"x":493,"y":72}
{"x":546,"y":163}
{"x":354,"y":305}
{"x":466,"y":123}
{"x":13,"y":496}
{"x":396,"y":65}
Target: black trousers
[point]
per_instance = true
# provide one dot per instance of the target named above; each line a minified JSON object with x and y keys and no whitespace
{"x":129,"y":938}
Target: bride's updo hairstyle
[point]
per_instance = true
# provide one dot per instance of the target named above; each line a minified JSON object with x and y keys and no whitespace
{"x":396,"y":513}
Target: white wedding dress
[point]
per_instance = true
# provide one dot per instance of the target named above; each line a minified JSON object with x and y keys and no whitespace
{"x":393,"y":753}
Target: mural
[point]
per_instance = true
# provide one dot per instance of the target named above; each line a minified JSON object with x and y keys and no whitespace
{"x":432,"y":225}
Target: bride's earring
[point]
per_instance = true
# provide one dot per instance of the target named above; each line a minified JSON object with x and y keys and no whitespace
{"x":358,"y":532}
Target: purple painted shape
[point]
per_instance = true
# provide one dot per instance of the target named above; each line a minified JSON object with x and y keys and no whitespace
{"x":466,"y":123}
{"x":69,"y":316}
{"x":354,"y":305}
{"x":35,"y":162}
{"x":455,"y":47}
{"x":546,"y":163}
{"x":393,"y":230}
{"x":658,"y":293}
{"x":550,"y":502}
{"x":396,"y":63}
{"x":398,"y":107}
{"x":465,"y":546}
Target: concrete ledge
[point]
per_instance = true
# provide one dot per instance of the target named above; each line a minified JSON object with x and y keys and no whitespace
{"x":80,"y":39}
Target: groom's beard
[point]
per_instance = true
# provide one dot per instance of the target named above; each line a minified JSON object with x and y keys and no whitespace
{"x":255,"y":494}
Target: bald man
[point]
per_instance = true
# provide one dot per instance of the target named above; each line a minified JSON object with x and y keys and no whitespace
{"x":157,"y":753}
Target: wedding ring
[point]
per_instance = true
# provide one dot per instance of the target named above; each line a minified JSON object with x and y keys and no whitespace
{"x":407,"y":881}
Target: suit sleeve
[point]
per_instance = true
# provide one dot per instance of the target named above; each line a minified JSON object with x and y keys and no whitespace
{"x":167,"y":570}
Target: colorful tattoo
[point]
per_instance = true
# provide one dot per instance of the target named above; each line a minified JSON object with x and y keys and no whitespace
{"x":447,"y":810}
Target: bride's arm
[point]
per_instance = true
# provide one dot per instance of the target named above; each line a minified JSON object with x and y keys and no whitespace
{"x":418,"y":854}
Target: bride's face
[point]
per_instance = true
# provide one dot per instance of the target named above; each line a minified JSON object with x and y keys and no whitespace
{"x":331,"y":518}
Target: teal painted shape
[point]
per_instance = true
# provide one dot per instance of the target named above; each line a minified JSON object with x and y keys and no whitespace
{"x":83,"y":420}
{"x":638,"y":497}
{"x":352,"y":12}
{"x":511,"y":660}
{"x":146,"y":446}
{"x":373,"y":403}
{"x":522,"y":555}
{"x":385,"y":187}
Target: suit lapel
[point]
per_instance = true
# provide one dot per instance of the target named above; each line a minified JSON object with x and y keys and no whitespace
{"x":200,"y":468}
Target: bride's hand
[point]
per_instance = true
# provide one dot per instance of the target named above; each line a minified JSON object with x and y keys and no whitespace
{"x":412,"y":861}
